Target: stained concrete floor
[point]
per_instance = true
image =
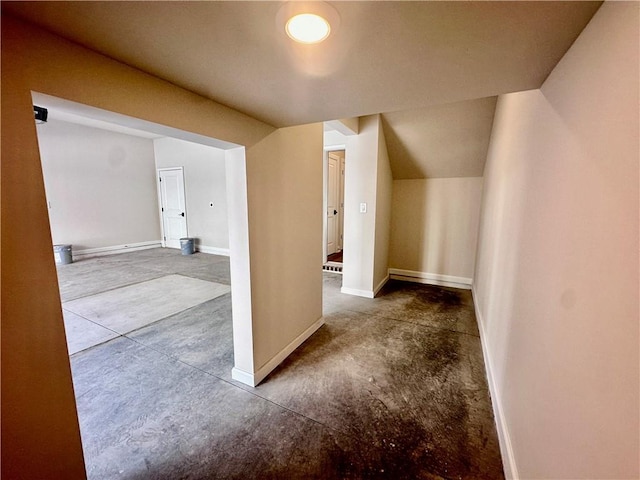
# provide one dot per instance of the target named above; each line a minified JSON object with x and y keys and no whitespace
{"x":388,"y":388}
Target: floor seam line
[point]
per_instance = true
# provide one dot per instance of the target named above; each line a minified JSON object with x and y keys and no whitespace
{"x":112,"y":289}
{"x":250,"y":392}
{"x":143,"y":326}
{"x":161,"y":275}
{"x":92,"y":321}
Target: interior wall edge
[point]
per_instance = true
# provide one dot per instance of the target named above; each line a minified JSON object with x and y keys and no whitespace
{"x":380,"y":285}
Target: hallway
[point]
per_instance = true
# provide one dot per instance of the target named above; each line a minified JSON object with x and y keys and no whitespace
{"x":392,"y":387}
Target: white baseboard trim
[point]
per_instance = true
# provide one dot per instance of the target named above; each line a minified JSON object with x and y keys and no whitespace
{"x":213,"y":250}
{"x":253,"y":379}
{"x":430,"y":278}
{"x":114,"y":249}
{"x":504,"y":439}
{"x":242,"y":376}
{"x":359,"y":293}
{"x":365,"y":293}
{"x":380,"y":285}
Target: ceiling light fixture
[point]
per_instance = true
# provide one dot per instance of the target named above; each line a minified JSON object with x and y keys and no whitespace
{"x":308,"y":28}
{"x":307,"y":22}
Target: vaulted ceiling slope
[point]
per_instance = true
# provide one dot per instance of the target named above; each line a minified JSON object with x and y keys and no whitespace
{"x":441,"y":141}
{"x":383,"y":57}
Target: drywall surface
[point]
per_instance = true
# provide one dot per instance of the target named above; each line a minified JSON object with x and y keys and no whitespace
{"x":434,"y":226}
{"x":352,"y":125}
{"x":205,"y":183}
{"x":40,"y":436}
{"x":440,"y":141}
{"x":240,"y":261}
{"x":384,"y":189}
{"x":360,"y":178}
{"x":368,"y":184}
{"x":334,"y":138}
{"x":556,"y":283}
{"x":100,"y":186}
{"x":284,"y":178}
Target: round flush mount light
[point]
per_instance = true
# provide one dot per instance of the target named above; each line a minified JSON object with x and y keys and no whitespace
{"x":307,"y":22}
{"x":308,"y":28}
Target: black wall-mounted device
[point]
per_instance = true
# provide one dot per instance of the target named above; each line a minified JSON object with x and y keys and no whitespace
{"x":40,"y":113}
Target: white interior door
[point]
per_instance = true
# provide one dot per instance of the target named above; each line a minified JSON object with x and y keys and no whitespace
{"x":172,"y":205}
{"x":341,"y":203}
{"x":333,"y":199}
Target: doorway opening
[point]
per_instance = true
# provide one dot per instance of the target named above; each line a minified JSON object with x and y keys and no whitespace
{"x":134,"y":307}
{"x":334,"y":210}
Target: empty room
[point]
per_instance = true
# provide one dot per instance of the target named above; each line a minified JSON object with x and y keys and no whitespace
{"x":452,"y":295}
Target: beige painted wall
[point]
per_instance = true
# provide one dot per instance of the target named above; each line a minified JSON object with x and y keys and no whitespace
{"x":441,"y":141}
{"x":40,"y":437}
{"x":556,"y":282}
{"x":205,"y":183}
{"x":434,"y":226}
{"x":100,"y":186}
{"x":284,"y":173}
{"x":351,"y":124}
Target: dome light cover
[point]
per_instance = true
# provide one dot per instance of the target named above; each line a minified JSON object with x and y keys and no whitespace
{"x":308,"y":28}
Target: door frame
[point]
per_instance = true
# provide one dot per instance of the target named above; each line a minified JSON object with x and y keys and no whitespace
{"x":325,"y":184}
{"x":159,"y":187}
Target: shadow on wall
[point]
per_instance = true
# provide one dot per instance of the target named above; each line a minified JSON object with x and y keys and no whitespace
{"x":400,"y":153}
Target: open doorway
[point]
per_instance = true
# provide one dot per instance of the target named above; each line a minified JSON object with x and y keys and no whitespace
{"x":335,"y":205}
{"x":103,"y":174}
{"x":142,"y":321}
{"x":333,"y":232}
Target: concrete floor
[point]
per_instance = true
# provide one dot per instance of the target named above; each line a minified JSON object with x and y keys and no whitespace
{"x":389,"y":388}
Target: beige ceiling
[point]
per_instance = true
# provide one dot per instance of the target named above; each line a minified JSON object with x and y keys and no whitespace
{"x":384,"y":56}
{"x":437,"y":66}
{"x":441,"y":141}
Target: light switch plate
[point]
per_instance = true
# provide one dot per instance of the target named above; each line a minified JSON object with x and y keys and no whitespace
{"x":363,"y":208}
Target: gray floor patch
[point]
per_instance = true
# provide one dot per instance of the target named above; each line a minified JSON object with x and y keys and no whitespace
{"x":82,"y":333}
{"x":128,"y":308}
